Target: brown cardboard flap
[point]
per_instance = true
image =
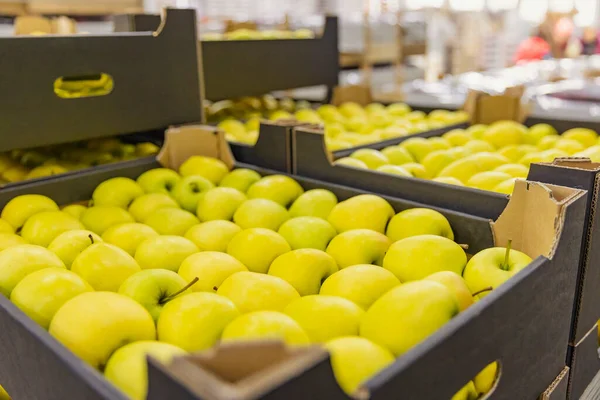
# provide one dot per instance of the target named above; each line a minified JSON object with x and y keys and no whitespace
{"x":575,"y":162}
{"x":239,"y":371}
{"x":185,"y":141}
{"x":356,"y":93}
{"x":485,"y":108}
{"x":533,"y":218}
{"x":558,"y":388}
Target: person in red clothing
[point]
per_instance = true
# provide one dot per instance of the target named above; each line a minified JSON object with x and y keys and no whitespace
{"x":590,"y":42}
{"x":534,"y":48}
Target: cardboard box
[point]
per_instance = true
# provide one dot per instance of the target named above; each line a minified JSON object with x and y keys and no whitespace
{"x":558,"y":388}
{"x":544,"y":221}
{"x":75,"y":7}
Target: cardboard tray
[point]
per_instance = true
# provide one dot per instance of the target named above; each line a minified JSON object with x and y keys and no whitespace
{"x":237,"y":68}
{"x":155,"y":74}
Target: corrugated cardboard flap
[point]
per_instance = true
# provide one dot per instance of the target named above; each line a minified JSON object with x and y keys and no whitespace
{"x":356,"y":93}
{"x":486,"y":108}
{"x":240,"y":371}
{"x":534,"y":217}
{"x":558,"y":387}
{"x":575,"y":162}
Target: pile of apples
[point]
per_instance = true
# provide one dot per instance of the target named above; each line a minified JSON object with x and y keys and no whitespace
{"x":253,"y":34}
{"x":350,"y":124}
{"x":245,"y":108}
{"x":20,"y":165}
{"x":178,"y":262}
{"x":482,"y":157}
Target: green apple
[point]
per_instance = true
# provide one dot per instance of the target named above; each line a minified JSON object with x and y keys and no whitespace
{"x":467,"y":392}
{"x":240,"y":179}
{"x":416,"y":257}
{"x":358,"y":246}
{"x":189,"y":190}
{"x":74,"y":210}
{"x":104,"y":266}
{"x":279,"y":188}
{"x":585,"y":136}
{"x":324,"y":318}
{"x":351,"y":162}
{"x":93,"y":325}
{"x":251,"y":291}
{"x":514,"y":170}
{"x":219,"y":203}
{"x":256,"y":248}
{"x":68,"y":245}
{"x":487,"y":180}
{"x":492,"y":267}
{"x":418,"y":221}
{"x":164,"y":252}
{"x":397,"y":155}
{"x":361,"y":284}
{"x":146,"y":204}
{"x":19,"y":261}
{"x":260,"y":213}
{"x":153,"y":288}
{"x":195,"y":321}
{"x":504,"y":133}
{"x":418,"y":147}
{"x":10,"y":240}
{"x":99,"y":218}
{"x":213,"y":235}
{"x":158,"y":180}
{"x":457,"y":285}
{"x":210,"y":168}
{"x":171,"y":221}
{"x":128,"y":236}
{"x":355,"y":360}
{"x":457,"y":137}
{"x":19,"y":209}
{"x":262,"y":325}
{"x":307,"y":233}
{"x":116,"y":192}
{"x":304,"y":269}
{"x":42,"y":293}
{"x":45,"y":226}
{"x":485,"y":380}
{"x":365,"y":211}
{"x":373,"y":158}
{"x":127,"y":368}
{"x":395,"y":321}
{"x":394,"y":170}
{"x":314,"y":203}
{"x":211,"y":268}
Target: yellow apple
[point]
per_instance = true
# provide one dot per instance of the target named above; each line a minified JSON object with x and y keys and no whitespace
{"x":350,"y":109}
{"x":465,"y":168}
{"x":351,"y":162}
{"x":256,"y":248}
{"x":586,"y":137}
{"x":307,"y":233}
{"x":314,"y":203}
{"x":457,"y":137}
{"x":485,"y":380}
{"x":504,"y":133}
{"x":514,"y":170}
{"x":358,"y":246}
{"x":189,"y":190}
{"x":516,"y":152}
{"x":68,"y":245}
{"x":418,"y":221}
{"x":158,"y":180}
{"x":45,"y":226}
{"x":394,"y":170}
{"x":304,"y":269}
{"x":171,"y":221}
{"x":398,"y":109}
{"x":211,"y":268}
{"x":219,"y":203}
{"x":19,"y":209}
{"x":439,"y":143}
{"x":570,"y":146}
{"x":213,"y":235}
{"x":279,"y":188}
{"x":74,"y":210}
{"x":116,"y":192}
{"x":104,"y":266}
{"x":240,"y":179}
{"x":487,"y":180}
{"x":128,"y":236}
{"x":535,"y":133}
{"x":260,"y":213}
{"x":164,"y":252}
{"x":210,"y":168}
{"x":506,"y":187}
{"x":547,"y":142}
{"x":148,"y":203}
{"x":373,"y":158}
{"x":261,"y":325}
{"x":544,"y":156}
{"x":418,"y":147}
{"x":99,"y":218}
{"x":365,"y":211}
{"x":437,"y":160}
{"x":397,"y":155}
{"x":456,"y":284}
{"x":10,"y":240}
{"x":477,"y":131}
{"x":467,"y":392}
{"x":417,"y":170}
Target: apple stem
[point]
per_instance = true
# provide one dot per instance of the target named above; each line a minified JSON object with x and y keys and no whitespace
{"x":487,"y":289}
{"x":91,"y":238}
{"x":464,"y":246}
{"x":507,"y":254}
{"x":183,"y":289}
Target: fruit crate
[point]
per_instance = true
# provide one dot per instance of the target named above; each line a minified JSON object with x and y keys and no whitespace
{"x":310,"y":160}
{"x":545,"y":221}
{"x":237,"y":68}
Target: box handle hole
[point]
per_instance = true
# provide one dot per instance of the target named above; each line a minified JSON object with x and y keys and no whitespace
{"x":74,"y":87}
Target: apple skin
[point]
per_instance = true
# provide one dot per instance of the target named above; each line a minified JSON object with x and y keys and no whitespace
{"x":208,"y":167}
{"x":365,"y":211}
{"x":487,"y":180}
{"x":351,"y":162}
{"x":395,"y":321}
{"x":104,"y":266}
{"x":45,"y":226}
{"x":355,"y":360}
{"x":260,"y":213}
{"x":256,"y":248}
{"x":467,"y":392}
{"x":151,"y":287}
{"x":5,"y":227}
{"x":19,"y":261}
{"x":358,"y":246}
{"x":116,"y":192}
{"x":505,"y":133}
{"x":148,"y":203}
{"x":211,"y":268}
{"x":361,"y":284}
{"x":418,"y":221}
{"x":164,"y":252}
{"x":324,"y":318}
{"x":3,"y":394}
{"x":416,"y":257}
{"x":457,"y":285}
{"x":314,"y":203}
{"x":373,"y":158}
{"x":219,"y":203}
{"x":261,"y":325}
{"x":195,"y":322}
{"x":10,"y":240}
{"x":307,"y":233}
{"x":19,"y":209}
{"x":41,"y":294}
{"x":394,"y":170}
{"x":93,"y":325}
{"x":397,"y":155}
{"x":213,"y":235}
{"x":128,"y":236}
{"x":279,"y":188}
{"x":240,"y":179}
{"x":158,"y":180}
{"x":304,"y":269}
{"x":74,"y":210}
{"x":585,"y":136}
{"x":251,"y":291}
{"x":485,"y":380}
{"x":189,"y":190}
{"x":99,"y":218}
{"x":485,"y":269}
{"x":171,"y":221}
{"x":68,"y":245}
{"x":127,"y":368}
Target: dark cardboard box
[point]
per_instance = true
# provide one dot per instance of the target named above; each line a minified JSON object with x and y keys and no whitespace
{"x":558,"y":388}
{"x":584,"y":363}
{"x":524,"y":324}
